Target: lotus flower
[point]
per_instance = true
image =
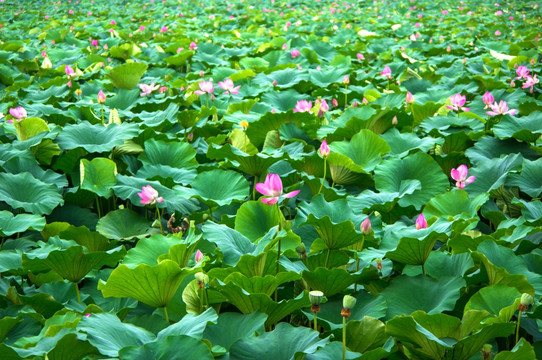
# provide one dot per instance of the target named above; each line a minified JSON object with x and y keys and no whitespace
{"x":94,"y":42}
{"x":523,"y":72}
{"x":488,"y":99}
{"x":386,"y":72}
{"x":193,"y":46}
{"x":409,"y":98}
{"x":69,"y":70}
{"x":228,"y":86}
{"x":272,"y":188}
{"x":346,"y":80}
{"x":303,"y":106}
{"x":19,"y":113}
{"x":460,"y":176}
{"x":101,"y":97}
{"x":295,"y":53}
{"x":205,"y":87}
{"x":324,"y":107}
{"x":421,"y":223}
{"x":458,"y":101}
{"x":360,"y":56}
{"x":149,"y":195}
{"x":46,"y":64}
{"x":530,"y":83}
{"x":500,"y":109}
{"x":365,"y":227}
{"x":148,"y":89}
{"x":198,"y":256}
{"x":324,"y":149}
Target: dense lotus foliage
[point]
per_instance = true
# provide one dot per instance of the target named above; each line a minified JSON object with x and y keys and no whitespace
{"x":270,"y":179}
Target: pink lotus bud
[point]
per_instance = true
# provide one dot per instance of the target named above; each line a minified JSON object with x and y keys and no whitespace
{"x":394,"y":121}
{"x":274,"y":82}
{"x":421,"y":223}
{"x":141,"y":28}
{"x":360,"y":56}
{"x":355,"y":104}
{"x":201,"y":73}
{"x":199,"y":256}
{"x":101,"y":97}
{"x":409,"y":98}
{"x":334,"y":102}
{"x":324,"y":149}
{"x":190,"y":137}
{"x":295,"y":53}
{"x":346,"y":80}
{"x":449,"y":48}
{"x":488,"y":99}
{"x":365,"y":227}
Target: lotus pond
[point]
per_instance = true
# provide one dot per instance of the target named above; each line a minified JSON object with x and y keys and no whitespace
{"x":270,"y":180}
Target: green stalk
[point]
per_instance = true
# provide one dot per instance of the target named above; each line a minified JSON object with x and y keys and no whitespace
{"x":324,"y":178}
{"x":345,"y":95}
{"x":357,"y":269}
{"x":77,"y":292}
{"x":278,"y":253}
{"x":517,"y":326}
{"x":413,"y":118}
{"x":159,"y":219}
{"x":98,"y":209}
{"x":327,"y":257}
{"x":103,"y":121}
{"x":201,"y":300}
{"x":315,"y":322}
{"x":344,"y":337}
{"x":165,"y":314}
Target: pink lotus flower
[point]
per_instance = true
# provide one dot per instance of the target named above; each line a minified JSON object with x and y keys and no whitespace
{"x":324,"y":149}
{"x":228,"y":86}
{"x":94,"y":42}
{"x":409,"y":98}
{"x":198,"y":256}
{"x":113,"y":22}
{"x":346,"y":80}
{"x":421,"y":223}
{"x":365,"y":227}
{"x":523,"y":72}
{"x":148,"y":89}
{"x":69,"y":70}
{"x":324,"y":107}
{"x":205,"y":87}
{"x":334,"y":102}
{"x":488,"y":99}
{"x":295,"y":53}
{"x":530,"y":83}
{"x":163,"y":29}
{"x":149,"y":196}
{"x":386,"y":73}
{"x":141,"y":28}
{"x":19,"y":113}
{"x":500,"y":109}
{"x":460,"y":176}
{"x":303,"y":106}
{"x":458,"y":101}
{"x":193,"y":46}
{"x":101,"y":97}
{"x":272,"y":188}
{"x":360,"y":56}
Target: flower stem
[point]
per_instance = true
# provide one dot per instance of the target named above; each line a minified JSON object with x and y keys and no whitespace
{"x":517,"y":326}
{"x":165,"y":314}
{"x":77,"y":292}
{"x":159,"y":218}
{"x":201,"y":300}
{"x":357,"y":269}
{"x":345,"y":95}
{"x":278,"y":253}
{"x":344,"y":337}
{"x":324,"y":178}
{"x":327,"y":257}
{"x":103,"y":121}
{"x":98,"y":209}
{"x":413,"y":116}
{"x":315,"y":322}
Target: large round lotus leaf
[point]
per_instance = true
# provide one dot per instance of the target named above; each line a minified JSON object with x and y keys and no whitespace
{"x":522,"y":350}
{"x":351,"y":121}
{"x":95,"y":138}
{"x":11,"y":224}
{"x":24,"y":191}
{"x":217,"y":187}
{"x":333,"y":281}
{"x":403,"y":143}
{"x":365,"y":149}
{"x":154,"y":119}
{"x":383,"y":201}
{"x":499,"y":300}
{"x":439,"y":264}
{"x":231,"y":243}
{"x":254,"y":165}
{"x":231,"y":327}
{"x":151,"y":285}
{"x":390,"y":175}
{"x":98,"y":176}
{"x":127,"y":76}
{"x":364,"y":335}
{"x":338,"y":210}
{"x":282,"y":343}
{"x":109,"y":335}
{"x":324,"y":78}
{"x":30,"y":127}
{"x":123,"y":224}
{"x":529,"y":181}
{"x":174,"y":347}
{"x":175,"y":154}
{"x":334,"y":236}
{"x":492,"y":174}
{"x":407,"y":294}
{"x":455,"y":204}
{"x":254,"y":219}
{"x":525,"y":128}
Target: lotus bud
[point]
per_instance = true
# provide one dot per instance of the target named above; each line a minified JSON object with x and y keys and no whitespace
{"x":315,"y":297}
{"x":346,"y":80}
{"x":198,"y":256}
{"x":334,"y":102}
{"x":525,"y":302}
{"x":324,"y":149}
{"x":101,"y":97}
{"x":533,"y":61}
{"x":409,"y":98}
{"x":394,"y":121}
{"x":421,"y":223}
{"x":205,"y":217}
{"x":301,"y":249}
{"x":348,"y":303}
{"x":365,"y":227}
{"x":274,"y":83}
{"x":190,"y":137}
{"x":355,"y":104}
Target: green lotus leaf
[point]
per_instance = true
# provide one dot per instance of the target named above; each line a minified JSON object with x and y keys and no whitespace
{"x":10,"y":261}
{"x":11,"y":224}
{"x":365,"y":335}
{"x":217,"y":187}
{"x":123,"y":99}
{"x":231,"y":327}
{"x":338,"y":210}
{"x":154,"y":119}
{"x":401,"y":144}
{"x":230,"y":242}
{"x":324,"y":78}
{"x":30,"y":127}
{"x":365,"y":149}
{"x":287,"y":78}
{"x":26,"y":162}
{"x":492,"y":174}
{"x":528,"y":181}
{"x":488,"y":148}
{"x":127,"y":76}
{"x":524,"y":128}
{"x":408,"y":294}
{"x":123,"y":224}
{"x":282,"y":101}
{"x":446,"y":125}
{"x":261,"y":284}
{"x":254,"y":219}
{"x":349,"y":123}
{"x":24,"y":191}
{"x":334,"y":236}
{"x":390,"y":174}
{"x":455,"y":204}
{"x":469,"y":346}
{"x":333,"y":281}
{"x":532,"y":210}
{"x":331,"y":349}
{"x":109,"y":335}
{"x":179,"y":155}
{"x":522,"y":350}
{"x":155,"y":172}
{"x":98,"y":176}
{"x":282,"y":343}
{"x":171,"y":347}
{"x":254,"y":165}
{"x":344,"y":171}
{"x":413,"y":251}
{"x":440,"y":265}
{"x":95,"y":138}
{"x":151,"y":285}
{"x":153,"y":249}
{"x":383,"y":201}
{"x":500,"y":301}
{"x":190,"y":325}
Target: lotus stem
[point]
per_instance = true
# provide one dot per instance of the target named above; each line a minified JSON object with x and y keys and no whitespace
{"x":357,"y":269}
{"x":345,"y":95}
{"x":103,"y":120}
{"x":315,"y":321}
{"x":344,"y":337}
{"x":77,"y":292}
{"x":327,"y":257}
{"x":201,"y":300}
{"x":98,"y":209}
{"x":413,"y":117}
{"x":517,"y":326}
{"x":165,"y":314}
{"x":159,"y":218}
{"x":278,"y":253}
{"x":324,"y":178}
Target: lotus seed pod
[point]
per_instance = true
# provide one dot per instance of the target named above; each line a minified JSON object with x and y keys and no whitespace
{"x":301,"y":249}
{"x":201,"y":277}
{"x":349,"y":302}
{"x":315,"y":297}
{"x":525,"y":302}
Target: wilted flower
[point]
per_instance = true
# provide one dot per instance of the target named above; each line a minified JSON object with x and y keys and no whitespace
{"x":205,"y":87}
{"x":365,"y":227}
{"x":303,"y":106}
{"x":324,"y":149}
{"x":500,"y":109}
{"x":386,"y":72}
{"x":148,"y":89}
{"x":149,"y":195}
{"x":458,"y":101}
{"x":460,"y":176}
{"x":409,"y":98}
{"x":228,"y":86}
{"x":101,"y":97}
{"x":295,"y":53}
{"x":421,"y":223}
{"x":488,"y":99}
{"x":272,"y":188}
